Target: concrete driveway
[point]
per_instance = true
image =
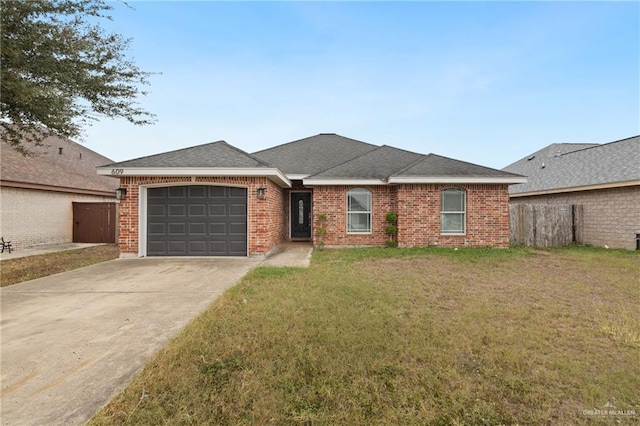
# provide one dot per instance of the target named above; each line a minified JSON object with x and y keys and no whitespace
{"x":71,"y":340}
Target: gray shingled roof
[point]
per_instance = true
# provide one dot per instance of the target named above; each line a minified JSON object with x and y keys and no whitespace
{"x":215,"y":154}
{"x":377,"y":164}
{"x":313,"y":154}
{"x":433,"y":165}
{"x":60,"y":163}
{"x":572,"y":165}
{"x":324,"y":156}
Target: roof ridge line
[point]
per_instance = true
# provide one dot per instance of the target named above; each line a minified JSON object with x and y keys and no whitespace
{"x":346,"y":161}
{"x":599,"y":145}
{"x":309,"y":137}
{"x":246,"y":153}
{"x":400,"y":149}
{"x":413,"y":163}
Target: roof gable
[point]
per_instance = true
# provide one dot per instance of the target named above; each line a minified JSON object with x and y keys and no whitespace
{"x":214,"y":154}
{"x":314,"y":154}
{"x":559,"y":166}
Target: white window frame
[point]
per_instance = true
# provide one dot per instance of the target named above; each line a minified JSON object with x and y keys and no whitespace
{"x":369,"y":212}
{"x":463,"y":212}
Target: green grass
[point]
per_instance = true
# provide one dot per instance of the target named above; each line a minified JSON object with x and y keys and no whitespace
{"x":406,"y":336}
{"x":14,"y":271}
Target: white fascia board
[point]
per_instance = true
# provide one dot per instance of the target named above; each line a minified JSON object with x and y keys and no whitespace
{"x":344,"y":182}
{"x":272,"y":173}
{"x":297,"y":177}
{"x":458,"y":179}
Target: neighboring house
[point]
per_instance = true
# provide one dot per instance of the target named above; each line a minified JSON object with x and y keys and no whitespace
{"x":215,"y":199}
{"x":40,"y":193}
{"x":604,"y":179}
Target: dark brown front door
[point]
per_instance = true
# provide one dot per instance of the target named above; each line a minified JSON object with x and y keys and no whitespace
{"x":300,"y":215}
{"x":94,"y":222}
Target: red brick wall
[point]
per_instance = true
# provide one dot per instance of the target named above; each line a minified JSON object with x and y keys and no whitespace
{"x":419,"y":216}
{"x":332,"y":201}
{"x":266,"y":226}
{"x":418,"y":208}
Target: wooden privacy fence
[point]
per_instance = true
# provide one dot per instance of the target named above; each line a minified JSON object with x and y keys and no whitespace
{"x":545,"y":225}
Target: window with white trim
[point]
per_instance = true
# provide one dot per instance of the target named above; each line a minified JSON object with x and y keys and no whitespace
{"x":359,"y":211}
{"x":453,"y":211}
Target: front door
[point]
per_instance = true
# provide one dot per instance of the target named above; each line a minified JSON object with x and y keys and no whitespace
{"x":300,"y":215}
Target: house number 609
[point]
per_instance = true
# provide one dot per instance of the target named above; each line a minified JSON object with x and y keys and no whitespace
{"x":117,"y":171}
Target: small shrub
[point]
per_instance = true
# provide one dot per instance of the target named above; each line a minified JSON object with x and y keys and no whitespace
{"x":392,"y":217}
{"x":390,"y":230}
{"x":391,"y":243}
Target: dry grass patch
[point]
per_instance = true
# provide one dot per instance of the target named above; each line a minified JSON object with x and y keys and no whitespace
{"x":13,"y":271}
{"x":374,"y":336}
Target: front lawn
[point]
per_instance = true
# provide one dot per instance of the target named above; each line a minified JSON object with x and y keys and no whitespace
{"x":14,"y":271}
{"x":407,"y":336}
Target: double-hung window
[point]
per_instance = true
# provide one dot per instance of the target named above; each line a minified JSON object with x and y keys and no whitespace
{"x":453,"y":211}
{"x":359,"y":211}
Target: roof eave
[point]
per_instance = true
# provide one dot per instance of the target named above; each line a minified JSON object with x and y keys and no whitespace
{"x":344,"y":181}
{"x":55,"y":188}
{"x":510,"y":180}
{"x":272,"y":173}
{"x":576,"y":188}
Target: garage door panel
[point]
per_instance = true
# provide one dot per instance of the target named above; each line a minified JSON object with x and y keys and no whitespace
{"x":177,"y":210}
{"x":238,"y":210}
{"x":197,"y":192}
{"x":217,"y":192}
{"x":177,"y":228}
{"x":217,"y":210}
{"x":159,"y":210}
{"x":218,"y":248}
{"x":197,"y":210}
{"x":198,"y":248}
{"x":177,"y":192}
{"x":197,"y":221}
{"x":218,"y":228}
{"x":156,"y":247}
{"x":156,"y":193}
{"x":197,"y":228}
{"x":177,"y":248}
{"x":238,"y":228}
{"x":238,"y":193}
{"x":237,"y":248}
{"x":157,"y":228}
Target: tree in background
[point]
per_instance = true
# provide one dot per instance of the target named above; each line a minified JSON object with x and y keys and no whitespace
{"x":60,"y":71}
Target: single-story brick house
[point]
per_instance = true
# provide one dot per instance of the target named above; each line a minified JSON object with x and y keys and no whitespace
{"x":603,"y":178}
{"x":215,"y":199}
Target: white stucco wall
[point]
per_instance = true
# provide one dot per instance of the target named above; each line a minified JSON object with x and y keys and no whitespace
{"x":31,"y":217}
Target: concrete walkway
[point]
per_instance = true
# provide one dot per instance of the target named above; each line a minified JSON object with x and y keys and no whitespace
{"x":291,"y":254}
{"x":70,"y":341}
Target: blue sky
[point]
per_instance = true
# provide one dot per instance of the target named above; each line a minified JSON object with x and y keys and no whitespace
{"x":484,"y":82}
